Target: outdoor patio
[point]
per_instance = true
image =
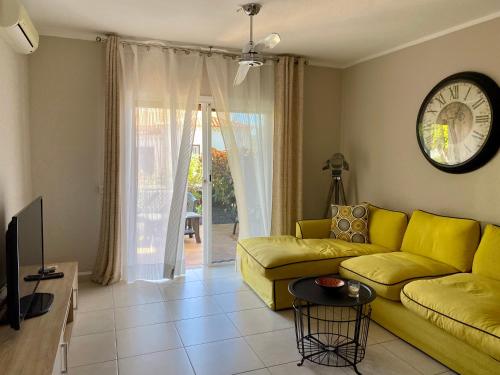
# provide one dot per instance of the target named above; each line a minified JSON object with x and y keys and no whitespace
{"x":223,"y":243}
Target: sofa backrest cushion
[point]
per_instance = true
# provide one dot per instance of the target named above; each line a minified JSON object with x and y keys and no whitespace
{"x":386,"y":228}
{"x":446,"y":239}
{"x":487,"y":258}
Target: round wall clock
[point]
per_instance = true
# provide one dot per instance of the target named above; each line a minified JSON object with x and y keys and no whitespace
{"x":458,"y":126}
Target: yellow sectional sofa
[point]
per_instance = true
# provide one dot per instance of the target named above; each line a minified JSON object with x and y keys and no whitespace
{"x":432,"y":246}
{"x":268,"y":264}
{"x":455,"y":318}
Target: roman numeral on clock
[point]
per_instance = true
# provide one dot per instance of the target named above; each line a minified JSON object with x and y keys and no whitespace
{"x":441,"y":100}
{"x":480,"y":119}
{"x":454,"y":92}
{"x":477,"y":134}
{"x":478,"y":103}
{"x":466,"y":95}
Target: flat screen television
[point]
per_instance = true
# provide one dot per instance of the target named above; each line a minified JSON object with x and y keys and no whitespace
{"x":24,"y":256}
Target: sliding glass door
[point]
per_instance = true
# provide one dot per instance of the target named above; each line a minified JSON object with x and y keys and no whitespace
{"x":212,"y":218}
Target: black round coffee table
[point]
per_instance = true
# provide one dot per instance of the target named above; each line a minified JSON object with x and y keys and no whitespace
{"x":331,"y":328}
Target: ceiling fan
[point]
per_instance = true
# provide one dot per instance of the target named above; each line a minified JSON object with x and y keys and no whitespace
{"x":251,"y":55}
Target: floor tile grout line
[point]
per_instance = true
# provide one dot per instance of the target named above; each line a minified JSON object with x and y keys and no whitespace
{"x":93,"y":333}
{"x":256,"y":333}
{"x":254,"y":352}
{"x":171,"y":321}
{"x":222,"y":312}
{"x":246,"y":372}
{"x":180,"y":299}
{"x":274,"y":330}
{"x":397,"y":356}
{"x":407,"y":362}
{"x":94,"y":363}
{"x":246,"y":342}
{"x":184,"y":348}
{"x":148,"y":353}
{"x":115,"y":334}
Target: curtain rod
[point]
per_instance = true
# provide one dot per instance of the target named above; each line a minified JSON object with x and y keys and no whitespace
{"x":206,"y":50}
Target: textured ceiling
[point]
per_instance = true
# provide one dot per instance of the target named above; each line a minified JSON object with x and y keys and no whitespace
{"x":330,"y":32}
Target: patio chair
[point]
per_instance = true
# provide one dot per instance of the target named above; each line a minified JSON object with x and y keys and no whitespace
{"x":192,"y":226}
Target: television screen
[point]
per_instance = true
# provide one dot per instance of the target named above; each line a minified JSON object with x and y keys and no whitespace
{"x":24,"y":257}
{"x":30,"y":235}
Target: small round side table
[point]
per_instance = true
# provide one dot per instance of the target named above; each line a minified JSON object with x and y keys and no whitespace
{"x":331,"y":328}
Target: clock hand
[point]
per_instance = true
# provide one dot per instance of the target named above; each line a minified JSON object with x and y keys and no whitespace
{"x":454,"y":137}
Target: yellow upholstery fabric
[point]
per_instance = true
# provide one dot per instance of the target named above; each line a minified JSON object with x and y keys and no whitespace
{"x":274,"y":293}
{"x":448,"y":240}
{"x":451,"y":351}
{"x":313,"y":228}
{"x":465,"y":305}
{"x":284,"y":257}
{"x":283,"y":298}
{"x":256,"y":280}
{"x":487,"y":258}
{"x":388,"y":273}
{"x":386,"y":228}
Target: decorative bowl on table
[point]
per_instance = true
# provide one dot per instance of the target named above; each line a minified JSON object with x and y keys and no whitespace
{"x":330,"y":283}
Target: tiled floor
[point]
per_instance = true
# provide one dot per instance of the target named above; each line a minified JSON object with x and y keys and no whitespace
{"x":207,"y":323}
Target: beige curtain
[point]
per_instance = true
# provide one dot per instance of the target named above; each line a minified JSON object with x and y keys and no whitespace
{"x":287,"y":145}
{"x":107,"y":269}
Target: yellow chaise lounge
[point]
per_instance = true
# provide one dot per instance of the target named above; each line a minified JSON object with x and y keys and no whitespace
{"x":454,"y":318}
{"x":268,"y":264}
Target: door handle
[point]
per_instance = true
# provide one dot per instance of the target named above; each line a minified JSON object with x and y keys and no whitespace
{"x":75,"y":299}
{"x":64,"y":347}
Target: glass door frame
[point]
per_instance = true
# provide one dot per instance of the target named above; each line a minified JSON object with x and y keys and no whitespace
{"x":206,"y":103}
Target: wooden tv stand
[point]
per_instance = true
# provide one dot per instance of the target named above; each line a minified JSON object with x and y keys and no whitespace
{"x":40,"y":347}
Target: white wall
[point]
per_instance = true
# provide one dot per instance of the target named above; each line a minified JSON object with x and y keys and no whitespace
{"x":15,"y":179}
{"x":67,"y":130}
{"x":322,"y":88}
{"x":380,"y":102}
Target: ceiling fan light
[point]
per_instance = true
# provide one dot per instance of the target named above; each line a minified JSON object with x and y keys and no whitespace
{"x":272,"y":40}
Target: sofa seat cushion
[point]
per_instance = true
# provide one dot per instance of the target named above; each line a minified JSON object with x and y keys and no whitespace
{"x":282,"y":257}
{"x":388,"y":273}
{"x":465,"y":305}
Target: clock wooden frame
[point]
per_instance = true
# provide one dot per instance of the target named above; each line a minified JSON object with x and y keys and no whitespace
{"x":492,"y":143}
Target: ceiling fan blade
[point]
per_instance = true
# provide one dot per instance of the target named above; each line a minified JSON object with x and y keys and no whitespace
{"x":268,"y":42}
{"x":241,"y":74}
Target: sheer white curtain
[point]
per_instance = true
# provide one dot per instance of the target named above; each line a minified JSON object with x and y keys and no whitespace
{"x":159,"y":105}
{"x":246,"y":116}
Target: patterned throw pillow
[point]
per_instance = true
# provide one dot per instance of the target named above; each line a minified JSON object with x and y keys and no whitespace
{"x":350,"y":223}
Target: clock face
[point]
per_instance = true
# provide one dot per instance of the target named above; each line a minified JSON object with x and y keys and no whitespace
{"x":455,"y":123}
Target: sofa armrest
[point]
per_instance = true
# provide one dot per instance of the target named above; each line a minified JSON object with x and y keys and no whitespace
{"x":319,"y":228}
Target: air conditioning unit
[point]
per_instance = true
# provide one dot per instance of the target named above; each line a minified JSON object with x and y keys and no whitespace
{"x":16,"y":27}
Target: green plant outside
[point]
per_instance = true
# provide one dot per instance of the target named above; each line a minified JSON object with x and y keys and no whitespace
{"x":222,"y":182}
